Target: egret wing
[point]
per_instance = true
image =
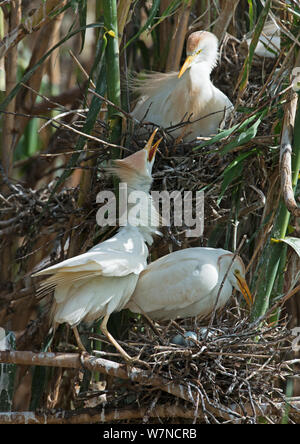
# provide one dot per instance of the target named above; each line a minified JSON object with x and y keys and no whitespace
{"x":92,"y":299}
{"x":124,"y":253}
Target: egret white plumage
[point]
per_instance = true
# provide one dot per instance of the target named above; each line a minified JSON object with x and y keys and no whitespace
{"x":170,"y":98}
{"x":94,"y":284}
{"x":269,"y":41}
{"x":187,"y":282}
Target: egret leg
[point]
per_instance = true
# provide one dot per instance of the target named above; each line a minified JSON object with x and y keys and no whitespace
{"x":151,"y":324}
{"x":78,"y":340}
{"x":103,"y":327}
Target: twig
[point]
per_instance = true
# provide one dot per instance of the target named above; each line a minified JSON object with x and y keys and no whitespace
{"x":81,"y":68}
{"x":282,"y":301}
{"x":222,"y":285}
{"x":286,"y":154}
{"x":129,"y":116}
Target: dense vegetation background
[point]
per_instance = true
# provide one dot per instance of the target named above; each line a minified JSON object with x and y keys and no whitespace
{"x":60,"y":62}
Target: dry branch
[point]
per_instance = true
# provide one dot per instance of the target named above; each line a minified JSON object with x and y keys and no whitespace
{"x":103,"y":415}
{"x":103,"y":366}
{"x":97,"y":415}
{"x":286,"y":149}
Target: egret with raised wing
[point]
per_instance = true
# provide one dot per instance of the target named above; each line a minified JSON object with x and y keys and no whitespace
{"x":167,"y":99}
{"x":99,"y":282}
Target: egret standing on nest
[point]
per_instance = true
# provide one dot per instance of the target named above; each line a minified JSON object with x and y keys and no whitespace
{"x":94,"y":284}
{"x":188,"y":282}
{"x":168,"y":99}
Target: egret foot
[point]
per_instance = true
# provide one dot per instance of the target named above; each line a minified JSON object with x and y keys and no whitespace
{"x":129,"y":360}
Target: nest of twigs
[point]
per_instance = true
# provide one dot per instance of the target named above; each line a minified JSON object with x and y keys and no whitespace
{"x":235,"y":371}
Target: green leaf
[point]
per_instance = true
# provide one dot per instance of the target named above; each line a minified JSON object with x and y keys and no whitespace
{"x":233,"y":172}
{"x":170,"y":10}
{"x":245,"y":136}
{"x":226,"y":133}
{"x":254,"y":41}
{"x":251,"y":14}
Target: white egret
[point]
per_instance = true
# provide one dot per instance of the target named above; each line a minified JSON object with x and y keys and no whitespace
{"x":170,"y":98}
{"x":94,"y":284}
{"x":269,"y":41}
{"x":187,"y":282}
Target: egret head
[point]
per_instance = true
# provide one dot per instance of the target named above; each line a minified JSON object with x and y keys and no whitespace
{"x":236,"y":275}
{"x":202,"y":46}
{"x":136,"y":169}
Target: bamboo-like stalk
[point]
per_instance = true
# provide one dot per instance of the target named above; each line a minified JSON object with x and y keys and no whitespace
{"x":178,"y":37}
{"x":165,"y":31}
{"x":54,"y":68}
{"x":112,"y":69}
{"x":225,"y":18}
{"x":204,"y":10}
{"x":11,"y":67}
{"x":26,"y":101}
{"x":8,"y":138}
{"x":122,"y":13}
{"x":273,"y":257}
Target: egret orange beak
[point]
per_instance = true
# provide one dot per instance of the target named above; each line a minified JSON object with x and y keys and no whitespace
{"x":151,"y":149}
{"x":187,"y":63}
{"x":244,"y":289}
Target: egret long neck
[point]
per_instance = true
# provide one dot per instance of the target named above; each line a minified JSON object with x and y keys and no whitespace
{"x":200,"y":87}
{"x":140,"y":211}
{"x":200,"y":71}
